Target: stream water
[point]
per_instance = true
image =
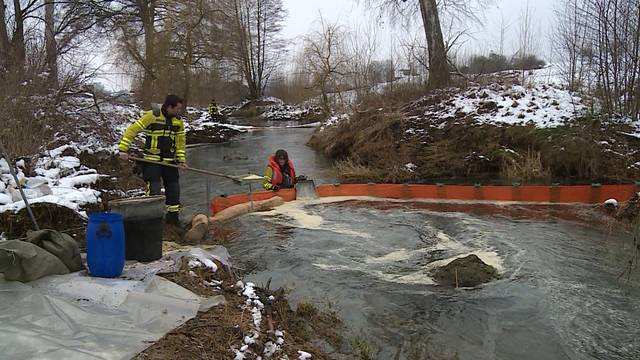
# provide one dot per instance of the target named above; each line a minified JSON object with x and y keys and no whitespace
{"x":558,"y":297}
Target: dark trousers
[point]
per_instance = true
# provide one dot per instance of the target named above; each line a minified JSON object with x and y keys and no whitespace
{"x":152,"y":174}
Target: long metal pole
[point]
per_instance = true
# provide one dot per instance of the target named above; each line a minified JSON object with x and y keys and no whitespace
{"x":15,"y":177}
{"x":205,"y":172}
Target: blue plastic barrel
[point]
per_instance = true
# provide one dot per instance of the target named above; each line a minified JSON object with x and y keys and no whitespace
{"x":105,"y":244}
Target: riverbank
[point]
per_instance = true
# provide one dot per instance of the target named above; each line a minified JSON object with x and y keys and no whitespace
{"x":253,"y":322}
{"x":532,"y":132}
{"x":79,"y":171}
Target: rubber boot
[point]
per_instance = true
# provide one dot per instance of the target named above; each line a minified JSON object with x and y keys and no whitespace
{"x":172,"y":218}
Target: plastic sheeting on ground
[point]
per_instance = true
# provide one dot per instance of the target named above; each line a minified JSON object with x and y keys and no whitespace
{"x":75,"y":316}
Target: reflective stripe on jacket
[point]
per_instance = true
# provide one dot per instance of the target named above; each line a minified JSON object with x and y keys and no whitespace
{"x":164,"y":141}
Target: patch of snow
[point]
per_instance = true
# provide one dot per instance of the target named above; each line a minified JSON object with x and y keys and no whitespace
{"x":611,"y":203}
{"x":213,"y":283}
{"x":200,"y":258}
{"x":4,"y":166}
{"x":256,"y":314}
{"x":204,"y":122}
{"x":74,"y":181}
{"x":272,"y":99}
{"x":303,"y":355}
{"x":251,"y":339}
{"x":270,"y":349}
{"x":5,"y":199}
{"x":249,"y":291}
{"x":333,"y":121}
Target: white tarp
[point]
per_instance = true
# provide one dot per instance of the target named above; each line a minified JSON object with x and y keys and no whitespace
{"x":75,"y":316}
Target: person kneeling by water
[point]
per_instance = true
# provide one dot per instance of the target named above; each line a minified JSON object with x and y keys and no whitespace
{"x":280,"y":173}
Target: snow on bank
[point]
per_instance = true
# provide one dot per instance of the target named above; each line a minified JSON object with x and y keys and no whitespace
{"x":541,"y":105}
{"x":59,"y":180}
{"x":286,"y":112}
{"x":205,"y":121}
{"x":544,"y":102}
{"x":256,"y":308}
{"x":94,"y":128}
{"x":334,"y":120}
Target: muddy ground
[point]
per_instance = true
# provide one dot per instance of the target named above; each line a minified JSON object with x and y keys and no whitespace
{"x":213,"y":334}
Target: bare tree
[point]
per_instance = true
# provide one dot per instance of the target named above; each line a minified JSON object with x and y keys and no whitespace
{"x":326,"y":59}
{"x":601,"y":40}
{"x":438,"y":65}
{"x":13,"y":33}
{"x":504,"y":27}
{"x":50,"y":43}
{"x":527,"y":39}
{"x":416,"y":54}
{"x":136,"y":22}
{"x":256,"y":46}
{"x":362,"y":44}
{"x":430,"y":11}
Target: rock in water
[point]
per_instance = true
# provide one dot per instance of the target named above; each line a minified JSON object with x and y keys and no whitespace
{"x":471,"y":271}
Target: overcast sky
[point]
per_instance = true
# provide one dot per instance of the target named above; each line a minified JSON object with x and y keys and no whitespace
{"x":302,"y":16}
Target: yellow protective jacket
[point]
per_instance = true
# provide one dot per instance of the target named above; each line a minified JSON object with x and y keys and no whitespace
{"x":164,"y":140}
{"x":213,"y":110}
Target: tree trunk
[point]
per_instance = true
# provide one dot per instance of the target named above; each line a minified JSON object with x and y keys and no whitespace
{"x":438,"y":68}
{"x":188,"y":60}
{"x":17,"y":59}
{"x":4,"y":37}
{"x":51,"y":45}
{"x":147,"y":13}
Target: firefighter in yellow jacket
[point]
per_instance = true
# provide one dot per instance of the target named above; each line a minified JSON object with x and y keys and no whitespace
{"x":164,"y":142}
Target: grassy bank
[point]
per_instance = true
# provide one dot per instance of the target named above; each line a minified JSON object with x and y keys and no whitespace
{"x":489,"y":133}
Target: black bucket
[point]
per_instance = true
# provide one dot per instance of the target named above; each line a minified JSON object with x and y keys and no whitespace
{"x":143,"y":225}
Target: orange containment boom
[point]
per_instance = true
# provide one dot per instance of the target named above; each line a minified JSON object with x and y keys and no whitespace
{"x":586,"y":194}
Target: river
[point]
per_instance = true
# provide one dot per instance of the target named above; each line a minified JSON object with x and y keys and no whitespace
{"x":558,"y":297}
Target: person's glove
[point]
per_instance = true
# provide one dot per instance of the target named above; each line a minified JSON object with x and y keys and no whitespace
{"x":275,"y":188}
{"x":301,"y":178}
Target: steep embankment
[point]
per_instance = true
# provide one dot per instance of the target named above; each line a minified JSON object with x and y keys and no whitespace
{"x":507,"y":132}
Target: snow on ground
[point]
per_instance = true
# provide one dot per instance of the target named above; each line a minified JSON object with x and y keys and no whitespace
{"x":96,"y":128}
{"x":543,"y":101}
{"x":204,"y":121}
{"x":256,"y":307}
{"x":541,"y":105}
{"x":286,"y":112}
{"x":60,"y":180}
{"x":334,"y":120}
